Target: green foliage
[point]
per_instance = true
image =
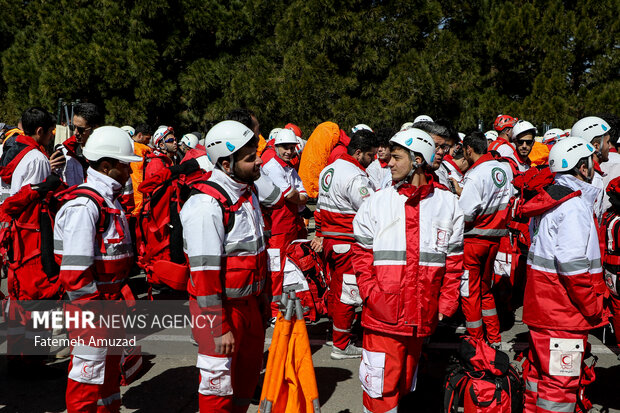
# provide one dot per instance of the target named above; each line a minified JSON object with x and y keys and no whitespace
{"x":187,"y":62}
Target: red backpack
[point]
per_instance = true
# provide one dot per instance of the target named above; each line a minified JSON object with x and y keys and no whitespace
{"x":485,"y":380}
{"x":314,"y":299}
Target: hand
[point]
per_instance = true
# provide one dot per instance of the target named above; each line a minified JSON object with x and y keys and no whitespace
{"x":57,"y":160}
{"x":317,"y":244}
{"x":440,"y":316}
{"x":225,"y":344}
{"x":457,"y":187}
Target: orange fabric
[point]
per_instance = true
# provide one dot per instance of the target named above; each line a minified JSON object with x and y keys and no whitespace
{"x":315,"y":155}
{"x":539,"y":154}
{"x":262,"y":144}
{"x":137,"y":175}
{"x":274,"y":373}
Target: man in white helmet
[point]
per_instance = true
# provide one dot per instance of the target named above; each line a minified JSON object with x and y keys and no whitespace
{"x":408,"y":261}
{"x":564,"y":289}
{"x":484,"y":198}
{"x":286,"y":223}
{"x":95,"y":262}
{"x":225,"y":244}
{"x":378,"y":171}
{"x":611,"y":168}
{"x":344,"y":185}
{"x":523,"y":133}
{"x":188,"y":142}
{"x":595,"y":131}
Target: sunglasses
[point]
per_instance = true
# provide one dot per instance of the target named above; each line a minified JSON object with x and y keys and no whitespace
{"x":528,"y":142}
{"x":170,"y":140}
{"x":80,"y":129}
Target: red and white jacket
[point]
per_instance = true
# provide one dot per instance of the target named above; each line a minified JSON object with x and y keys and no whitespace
{"x":343,"y":187}
{"x":30,"y":166}
{"x":408,"y":258}
{"x":485,"y":199}
{"x":565,"y":287}
{"x":379,"y":172}
{"x":224,"y":265}
{"x":88,"y":270}
{"x":284,"y":176}
{"x":448,"y":169}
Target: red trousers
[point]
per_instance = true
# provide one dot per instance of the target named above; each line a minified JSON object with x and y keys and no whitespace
{"x":552,"y":381}
{"x":389,"y":363}
{"x":344,"y":293}
{"x":477,"y":300}
{"x":276,"y":249}
{"x":614,"y":304}
{"x":227,"y":383}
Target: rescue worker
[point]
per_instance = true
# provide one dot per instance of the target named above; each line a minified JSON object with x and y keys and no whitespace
{"x":188,"y":142}
{"x":94,"y":266}
{"x":503,"y":125}
{"x":378,"y":171}
{"x":452,"y":169}
{"x":228,"y":271}
{"x":595,"y":131}
{"x":164,"y":144}
{"x":444,"y":136}
{"x":611,"y":258}
{"x":408,"y":261}
{"x":523,"y":134}
{"x":344,"y":185}
{"x":86,"y":118}
{"x":564,"y":288}
{"x":484,"y":198}
{"x":491,"y":136}
{"x":287,"y":224}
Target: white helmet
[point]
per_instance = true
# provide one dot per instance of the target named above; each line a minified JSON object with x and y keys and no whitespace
{"x":359,"y":127}
{"x":301,"y":144}
{"x":553,"y":135}
{"x":190,"y":140}
{"x":491,"y":135}
{"x":110,"y":142}
{"x":589,"y":128}
{"x":423,"y":118}
{"x":129,"y":129}
{"x":461,"y":136}
{"x":523,"y":126}
{"x":160,"y":135}
{"x":274,"y":132}
{"x":565,"y":154}
{"x":418,"y":141}
{"x":226,"y":138}
{"x":406,"y":125}
{"x":285,"y":136}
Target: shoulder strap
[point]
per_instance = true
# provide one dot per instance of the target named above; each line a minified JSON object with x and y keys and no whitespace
{"x":216,"y":191}
{"x":455,"y":384}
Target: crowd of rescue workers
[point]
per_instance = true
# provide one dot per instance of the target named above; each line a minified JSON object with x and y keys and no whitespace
{"x":414,"y":226}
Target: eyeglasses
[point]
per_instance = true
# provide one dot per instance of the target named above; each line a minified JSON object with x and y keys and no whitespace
{"x":445,"y":147}
{"x":170,"y":140}
{"x":80,"y":129}
{"x":528,"y":142}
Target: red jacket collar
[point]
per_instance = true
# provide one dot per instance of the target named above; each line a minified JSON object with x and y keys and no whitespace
{"x":484,"y":158}
{"x":349,"y":158}
{"x":597,"y":169}
{"x":382,"y":164}
{"x":415,"y":193}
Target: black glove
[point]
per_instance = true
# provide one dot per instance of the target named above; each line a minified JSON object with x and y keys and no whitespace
{"x":51,"y":183}
{"x":185,"y":168}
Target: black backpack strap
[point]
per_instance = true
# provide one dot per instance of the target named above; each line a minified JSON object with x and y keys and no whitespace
{"x":455,"y":384}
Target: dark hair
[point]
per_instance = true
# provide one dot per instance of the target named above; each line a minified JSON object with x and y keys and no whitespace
{"x":90,"y":112}
{"x":144,"y":128}
{"x":384,"y":135}
{"x":435,"y":129}
{"x":452,"y":133}
{"x":614,"y":124}
{"x":36,"y":117}
{"x":477,"y":141}
{"x":242,"y":115}
{"x":96,"y":164}
{"x":363,"y":140}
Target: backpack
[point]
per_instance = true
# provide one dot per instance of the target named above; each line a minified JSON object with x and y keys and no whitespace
{"x":304,"y":273}
{"x":30,"y":235}
{"x":484,"y":379}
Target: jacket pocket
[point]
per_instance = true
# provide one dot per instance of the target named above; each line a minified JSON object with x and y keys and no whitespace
{"x":215,"y":377}
{"x":565,"y":356}
{"x":441,"y":236}
{"x":350,"y":292}
{"x":384,"y":306}
{"x":88,"y":364}
{"x":371,"y":373}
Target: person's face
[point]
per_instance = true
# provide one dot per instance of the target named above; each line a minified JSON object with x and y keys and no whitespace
{"x":462,"y":164}
{"x":365,"y":158}
{"x":400,"y":164}
{"x":442,"y":146}
{"x":605,"y":148}
{"x":171,"y":143}
{"x":247,"y":164}
{"x":286,"y":151}
{"x":383,"y":153}
{"x":524,"y":144}
{"x":184,"y":148}
{"x":43,"y":137}
{"x":119,"y":171}
{"x":454,"y":148}
{"x":81,"y":129}
{"x":143,"y":138}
